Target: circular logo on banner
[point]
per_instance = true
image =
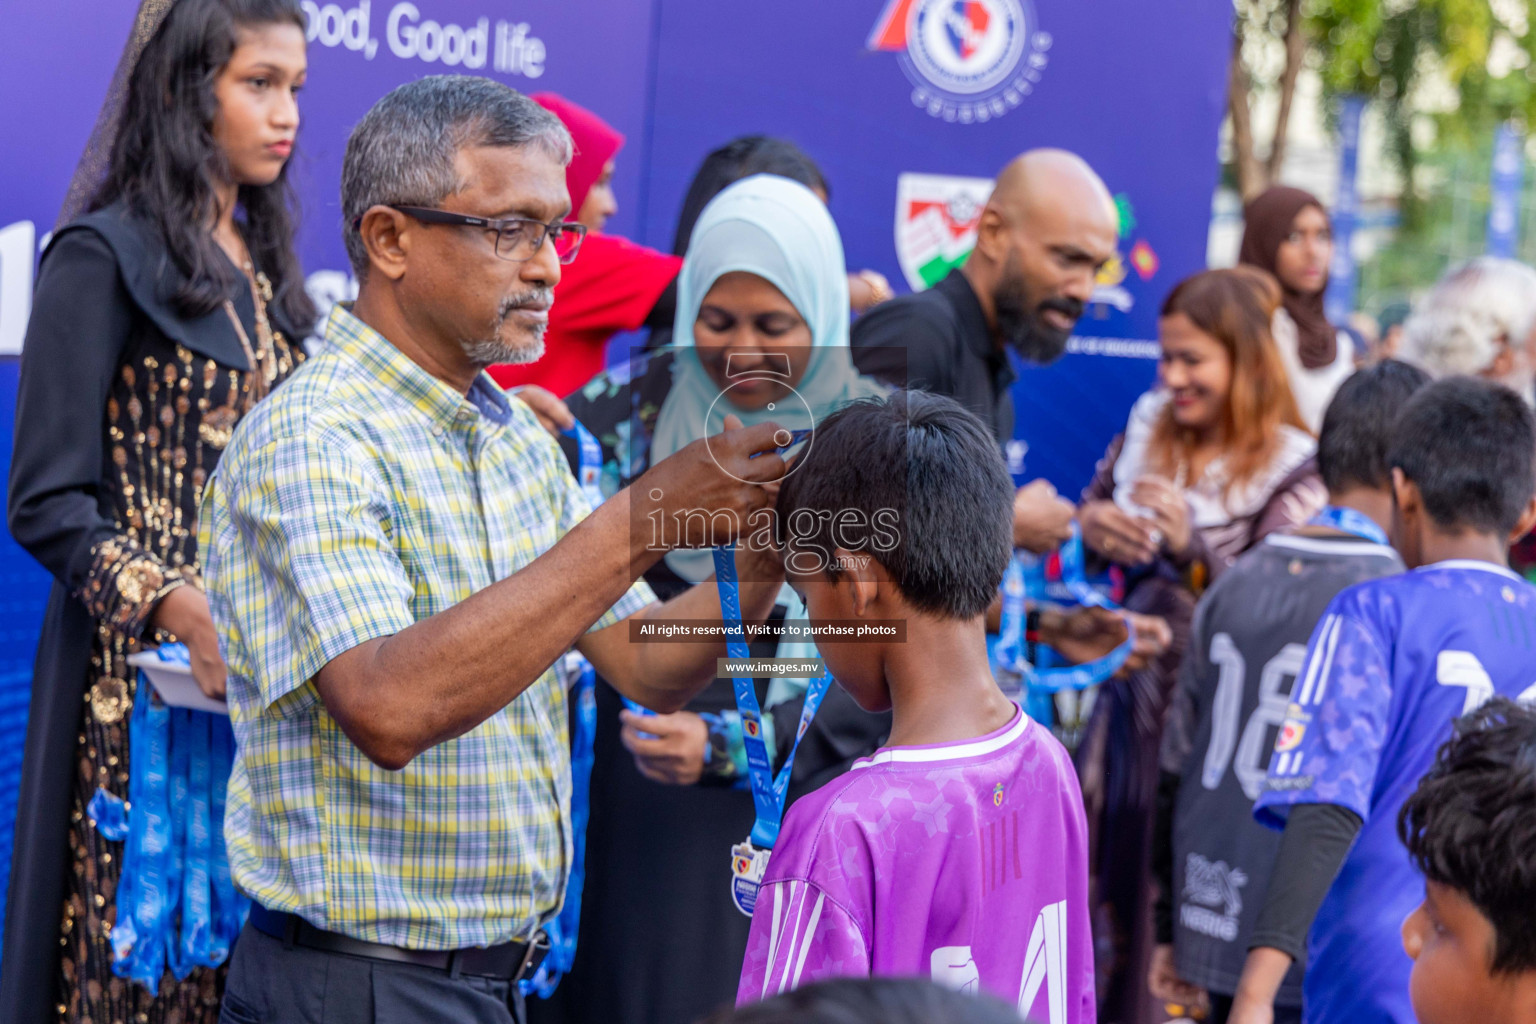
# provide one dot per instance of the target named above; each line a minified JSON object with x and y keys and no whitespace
{"x":972,"y":60}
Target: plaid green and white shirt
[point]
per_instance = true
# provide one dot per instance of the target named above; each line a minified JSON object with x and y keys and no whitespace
{"x":362,"y":496}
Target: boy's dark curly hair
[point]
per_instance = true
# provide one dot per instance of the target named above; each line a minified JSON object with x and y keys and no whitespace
{"x":1471,"y":824}
{"x":872,"y":1001}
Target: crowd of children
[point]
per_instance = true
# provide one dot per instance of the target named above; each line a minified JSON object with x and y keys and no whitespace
{"x":1400,"y":763}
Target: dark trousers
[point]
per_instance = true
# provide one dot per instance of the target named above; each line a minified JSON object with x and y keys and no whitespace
{"x":271,"y":982}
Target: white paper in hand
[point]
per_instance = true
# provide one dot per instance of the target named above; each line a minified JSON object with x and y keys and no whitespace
{"x":175,"y":685}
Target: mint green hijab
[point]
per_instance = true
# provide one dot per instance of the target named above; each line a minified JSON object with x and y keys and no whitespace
{"x":779,"y":230}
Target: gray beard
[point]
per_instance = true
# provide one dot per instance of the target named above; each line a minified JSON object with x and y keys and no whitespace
{"x":492,"y":351}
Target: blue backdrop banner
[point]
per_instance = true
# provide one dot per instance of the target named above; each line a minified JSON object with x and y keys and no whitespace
{"x":910,"y":107}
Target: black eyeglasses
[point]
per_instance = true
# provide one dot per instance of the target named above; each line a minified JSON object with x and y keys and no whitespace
{"x":517,"y":238}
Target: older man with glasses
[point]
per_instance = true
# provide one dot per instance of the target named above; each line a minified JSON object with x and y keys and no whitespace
{"x":396,"y":555}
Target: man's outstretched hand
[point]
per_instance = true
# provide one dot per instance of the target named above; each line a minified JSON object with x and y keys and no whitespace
{"x":707,"y":491}
{"x":1083,"y":634}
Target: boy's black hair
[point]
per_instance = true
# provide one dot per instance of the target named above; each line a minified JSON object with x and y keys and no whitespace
{"x":915,"y":481}
{"x":1357,"y":428}
{"x":872,"y":1001}
{"x":1471,"y":824}
{"x":1470,"y":446}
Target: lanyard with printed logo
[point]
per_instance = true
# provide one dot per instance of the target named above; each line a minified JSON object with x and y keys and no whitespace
{"x":1348,"y":520}
{"x":1024,"y":581}
{"x":749,"y":860}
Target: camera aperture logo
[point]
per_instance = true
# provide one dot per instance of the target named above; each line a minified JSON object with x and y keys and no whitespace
{"x":760,"y":383}
{"x":969,"y":60}
{"x":787,"y":404}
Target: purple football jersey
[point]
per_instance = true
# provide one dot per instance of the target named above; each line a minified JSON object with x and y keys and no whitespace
{"x":962,"y":862}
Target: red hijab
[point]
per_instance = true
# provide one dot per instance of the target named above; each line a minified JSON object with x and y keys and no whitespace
{"x":596,"y":142}
{"x":1268,"y":220}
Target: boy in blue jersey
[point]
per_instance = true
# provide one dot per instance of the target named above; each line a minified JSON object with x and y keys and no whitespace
{"x":1212,"y":861}
{"x":1470,"y":827}
{"x":1391,"y":665}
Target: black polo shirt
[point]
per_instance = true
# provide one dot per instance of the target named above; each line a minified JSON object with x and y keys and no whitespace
{"x":948,"y":350}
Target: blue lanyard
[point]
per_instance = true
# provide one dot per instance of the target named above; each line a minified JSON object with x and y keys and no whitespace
{"x":1025,"y":579}
{"x":1348,"y":520}
{"x":768,"y":792}
{"x":589,"y":474}
{"x":589,"y":471}
{"x":563,"y":928}
{"x":795,"y":438}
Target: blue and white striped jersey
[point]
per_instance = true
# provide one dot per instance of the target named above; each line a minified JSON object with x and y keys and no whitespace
{"x":1391,"y":664}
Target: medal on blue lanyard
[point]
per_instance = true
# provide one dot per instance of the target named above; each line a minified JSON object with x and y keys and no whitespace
{"x":795,"y":437}
{"x":1025,"y":580}
{"x":749,"y":859}
{"x":1348,"y":520}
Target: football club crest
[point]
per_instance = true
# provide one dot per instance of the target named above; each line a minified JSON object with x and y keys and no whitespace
{"x":1290,"y":735}
{"x":936,"y":219}
{"x":969,"y":60}
{"x":748,"y":866}
{"x":997,"y":795}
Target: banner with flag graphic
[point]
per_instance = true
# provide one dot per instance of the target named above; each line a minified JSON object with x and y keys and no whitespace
{"x":936,"y":219}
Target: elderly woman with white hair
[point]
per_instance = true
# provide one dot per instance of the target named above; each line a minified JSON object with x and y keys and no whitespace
{"x":1480,"y":320}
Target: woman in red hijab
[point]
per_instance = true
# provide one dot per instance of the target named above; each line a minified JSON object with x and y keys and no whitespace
{"x":613,"y":285}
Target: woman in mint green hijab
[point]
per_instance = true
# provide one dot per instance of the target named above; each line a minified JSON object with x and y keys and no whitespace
{"x":763,"y":289}
{"x":762,"y":323}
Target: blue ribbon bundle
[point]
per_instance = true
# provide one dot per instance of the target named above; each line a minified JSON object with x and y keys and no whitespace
{"x":1025,"y":580}
{"x":177,"y":906}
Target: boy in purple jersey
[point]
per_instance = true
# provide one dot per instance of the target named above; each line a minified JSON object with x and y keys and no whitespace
{"x":1391,"y":664}
{"x":959,"y":851}
{"x":1470,"y":827}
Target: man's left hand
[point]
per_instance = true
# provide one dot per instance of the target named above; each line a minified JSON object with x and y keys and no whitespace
{"x":553,"y":413}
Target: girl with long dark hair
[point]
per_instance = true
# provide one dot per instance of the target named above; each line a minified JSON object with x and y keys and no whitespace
{"x":160,"y":318}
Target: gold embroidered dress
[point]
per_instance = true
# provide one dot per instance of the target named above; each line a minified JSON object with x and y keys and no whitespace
{"x":124,"y":409}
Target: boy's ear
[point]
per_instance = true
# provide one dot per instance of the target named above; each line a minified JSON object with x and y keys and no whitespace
{"x":1405,"y":493}
{"x":1526,"y":523}
{"x":861,"y":574}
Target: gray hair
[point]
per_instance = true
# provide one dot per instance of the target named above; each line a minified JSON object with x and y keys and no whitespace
{"x":402,"y":151}
{"x":1471,"y":314}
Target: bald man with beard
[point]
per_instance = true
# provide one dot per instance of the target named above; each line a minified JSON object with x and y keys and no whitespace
{"x":1048,"y":228}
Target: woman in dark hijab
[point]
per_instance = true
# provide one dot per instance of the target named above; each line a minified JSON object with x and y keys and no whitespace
{"x":1289,"y":234}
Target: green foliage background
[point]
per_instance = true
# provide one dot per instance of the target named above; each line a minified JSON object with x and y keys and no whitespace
{"x":1389,"y":50}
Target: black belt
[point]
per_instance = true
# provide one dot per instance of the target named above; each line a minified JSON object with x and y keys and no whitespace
{"x":510,"y":961}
